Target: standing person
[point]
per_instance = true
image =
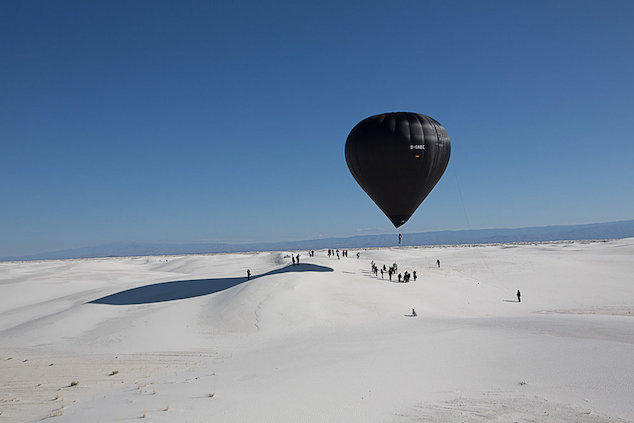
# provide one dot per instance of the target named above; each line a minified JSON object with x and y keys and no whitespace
{"x":518,"y":296}
{"x":399,"y":239}
{"x":248,"y":274}
{"x":389,"y":272}
{"x":414,"y":313}
{"x":293,"y":258}
{"x":438,"y":263}
{"x":414,"y":274}
{"x":381,"y":273}
{"x":399,"y":277}
{"x":297,"y":259}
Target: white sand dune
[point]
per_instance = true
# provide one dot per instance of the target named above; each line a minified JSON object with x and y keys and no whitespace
{"x":188,"y":339}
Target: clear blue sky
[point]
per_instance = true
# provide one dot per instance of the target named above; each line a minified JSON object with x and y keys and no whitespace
{"x":226,"y":121}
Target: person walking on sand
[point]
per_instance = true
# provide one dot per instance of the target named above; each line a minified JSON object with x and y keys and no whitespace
{"x":297,"y":259}
{"x":414,"y":313}
{"x":248,"y":274}
{"x":438,"y":263}
{"x":293,"y":258}
{"x":519,"y":300}
{"x":414,"y":274}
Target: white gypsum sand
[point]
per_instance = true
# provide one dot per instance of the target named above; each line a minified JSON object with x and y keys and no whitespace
{"x":193,"y":341}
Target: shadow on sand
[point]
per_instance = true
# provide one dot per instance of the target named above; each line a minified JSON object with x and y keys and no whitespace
{"x":178,"y":290}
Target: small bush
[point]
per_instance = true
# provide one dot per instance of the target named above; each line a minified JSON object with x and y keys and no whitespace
{"x":56,"y":413}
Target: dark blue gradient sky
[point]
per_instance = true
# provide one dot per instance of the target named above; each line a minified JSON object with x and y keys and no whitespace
{"x":226,"y":121}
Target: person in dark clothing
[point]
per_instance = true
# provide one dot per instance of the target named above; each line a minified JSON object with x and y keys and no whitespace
{"x":414,"y":313}
{"x":399,"y":277}
{"x":381,"y":273}
{"x":414,"y":274}
{"x":518,"y":296}
{"x":248,"y":274}
{"x":438,"y":263}
{"x":297,"y":259}
{"x":293,"y":258}
{"x":399,"y":239}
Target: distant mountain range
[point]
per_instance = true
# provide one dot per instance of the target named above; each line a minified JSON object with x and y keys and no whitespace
{"x":609,"y":230}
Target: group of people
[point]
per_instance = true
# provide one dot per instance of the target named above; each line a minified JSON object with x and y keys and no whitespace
{"x":392,"y":270}
{"x":295,"y":259}
{"x":343,"y":253}
{"x":407,"y":276}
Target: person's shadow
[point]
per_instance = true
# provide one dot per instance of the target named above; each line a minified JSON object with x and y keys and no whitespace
{"x":178,"y":290}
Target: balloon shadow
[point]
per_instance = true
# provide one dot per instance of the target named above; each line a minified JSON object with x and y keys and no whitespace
{"x":178,"y":290}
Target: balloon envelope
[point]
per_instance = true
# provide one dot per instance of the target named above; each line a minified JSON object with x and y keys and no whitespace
{"x":397,"y":158}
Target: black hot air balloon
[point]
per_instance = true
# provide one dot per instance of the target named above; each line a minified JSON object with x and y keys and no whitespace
{"x":398,"y":158}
